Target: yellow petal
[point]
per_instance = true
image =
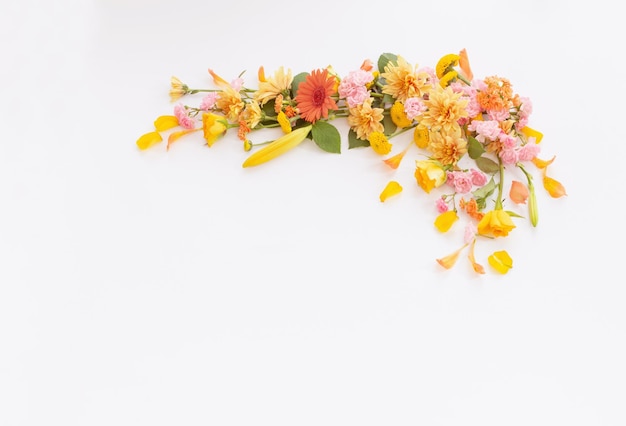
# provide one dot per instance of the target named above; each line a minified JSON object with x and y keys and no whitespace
{"x":278,"y":147}
{"x":478,"y":268}
{"x":449,"y":260}
{"x":532,"y":133}
{"x":149,"y":139}
{"x":500,"y":261}
{"x":448,"y":78}
{"x":554,"y":187}
{"x":518,"y":193}
{"x":177,"y":135}
{"x":165,"y":122}
{"x":542,"y":164}
{"x":445,"y":220}
{"x":217,"y":79}
{"x":392,"y":188}
{"x":261,"y":74}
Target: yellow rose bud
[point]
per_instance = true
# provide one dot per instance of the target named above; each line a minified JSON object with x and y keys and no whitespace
{"x":429,"y":174}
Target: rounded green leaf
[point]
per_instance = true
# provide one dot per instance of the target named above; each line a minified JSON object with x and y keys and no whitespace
{"x":326,"y":136}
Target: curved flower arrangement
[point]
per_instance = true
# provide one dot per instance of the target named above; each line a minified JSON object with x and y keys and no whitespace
{"x":470,"y":131}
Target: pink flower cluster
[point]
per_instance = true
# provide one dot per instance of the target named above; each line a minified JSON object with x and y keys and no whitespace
{"x":464,"y":181}
{"x":353,"y":87}
{"x":184,"y":120}
{"x":490,"y":130}
{"x":414,"y":107}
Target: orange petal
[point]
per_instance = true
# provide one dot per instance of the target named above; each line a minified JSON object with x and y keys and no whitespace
{"x":478,"y":268}
{"x":392,"y":188}
{"x":518,"y":193}
{"x":394,"y":161}
{"x":449,"y":261}
{"x":554,"y":187}
{"x":465,"y":66}
{"x":177,"y":135}
{"x":501,"y":261}
{"x":149,"y":139}
{"x":261,"y":74}
{"x":542,"y":164}
{"x":165,"y":122}
{"x":367,"y":65}
{"x":217,"y":79}
{"x":445,"y":220}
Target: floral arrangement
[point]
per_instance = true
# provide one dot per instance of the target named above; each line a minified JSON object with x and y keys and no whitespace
{"x":470,"y":131}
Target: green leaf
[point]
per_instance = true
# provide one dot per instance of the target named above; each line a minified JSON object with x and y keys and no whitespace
{"x":354,"y":142}
{"x":485,"y":191}
{"x":475,"y":149}
{"x":326,"y":136}
{"x":296,"y":83}
{"x":487,"y":165}
{"x":384,"y":59}
{"x":513,"y":214}
{"x":389,"y":125}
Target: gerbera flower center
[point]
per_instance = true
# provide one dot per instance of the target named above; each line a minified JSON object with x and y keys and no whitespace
{"x":319,"y":94}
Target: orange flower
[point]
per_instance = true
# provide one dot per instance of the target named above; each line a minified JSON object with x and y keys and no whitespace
{"x":313,"y":96}
{"x":471,"y":208}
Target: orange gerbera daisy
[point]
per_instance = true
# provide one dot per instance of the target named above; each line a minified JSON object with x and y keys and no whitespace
{"x":313,"y":96}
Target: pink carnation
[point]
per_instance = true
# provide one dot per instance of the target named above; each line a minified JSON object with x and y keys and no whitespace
{"x":462,"y":182}
{"x":508,"y":156}
{"x":236,"y":84}
{"x":184,"y":120}
{"x":508,"y":141}
{"x":528,"y":152}
{"x":353,"y":87}
{"x":414,"y":107}
{"x":441,"y":205}
{"x":208,"y":102}
{"x":489,"y":129}
{"x":498,"y":115}
{"x":478,"y":177}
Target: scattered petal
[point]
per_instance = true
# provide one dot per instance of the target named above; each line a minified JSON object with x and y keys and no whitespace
{"x":445,"y":220}
{"x":449,"y":260}
{"x":177,"y":135}
{"x":149,"y":139}
{"x":165,"y":122}
{"x":518,"y":193}
{"x":532,"y":133}
{"x":465,"y":66}
{"x":542,"y":164}
{"x":392,"y":188}
{"x":501,"y":261}
{"x":394,"y":161}
{"x":278,"y":147}
{"x":554,"y":187}
{"x":478,"y":268}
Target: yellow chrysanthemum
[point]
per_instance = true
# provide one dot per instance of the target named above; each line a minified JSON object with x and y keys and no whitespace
{"x":230,"y":103}
{"x":446,"y":63}
{"x":402,"y":81}
{"x":284,"y":122}
{"x":273,"y":86}
{"x":398,"y":116}
{"x":444,"y":109}
{"x":447,"y":147}
{"x":363,"y":119}
{"x":252,"y":114}
{"x":379,"y":143}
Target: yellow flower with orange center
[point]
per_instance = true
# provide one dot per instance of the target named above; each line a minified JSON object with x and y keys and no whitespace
{"x":363,"y":119}
{"x":496,"y":223}
{"x":252,"y":114}
{"x":429,"y":174}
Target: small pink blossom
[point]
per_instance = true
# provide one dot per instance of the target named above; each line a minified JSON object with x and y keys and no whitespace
{"x":528,"y":152}
{"x":462,"y":182}
{"x":508,"y":156}
{"x":184,"y":121}
{"x":353,"y":87}
{"x":499,"y":114}
{"x":508,"y":141}
{"x":478,"y":177}
{"x":236,"y":84}
{"x":487,"y":129}
{"x":208,"y":102}
{"x":441,"y":205}
{"x":470,"y":232}
{"x":414,"y":107}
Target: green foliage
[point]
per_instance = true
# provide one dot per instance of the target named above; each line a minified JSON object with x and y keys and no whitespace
{"x":354,"y":142}
{"x":326,"y":136}
{"x":384,"y":59}
{"x":475,"y":149}
{"x":487,"y":165}
{"x":296,"y":82}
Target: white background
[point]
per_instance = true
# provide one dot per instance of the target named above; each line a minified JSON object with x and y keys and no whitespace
{"x":177,"y":288}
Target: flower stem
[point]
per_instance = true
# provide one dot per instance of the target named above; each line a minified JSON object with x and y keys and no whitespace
{"x":532,"y":200}
{"x":500,"y":185}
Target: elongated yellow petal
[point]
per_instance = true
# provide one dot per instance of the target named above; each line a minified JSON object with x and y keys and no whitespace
{"x":445,"y":220}
{"x":217,"y":79}
{"x":149,"y":139}
{"x":500,"y":261}
{"x":554,"y":187}
{"x":165,"y":122}
{"x":278,"y":147}
{"x":394,"y":161}
{"x":261,"y":74}
{"x":532,"y":133}
{"x":478,"y":268}
{"x":392,"y":188}
{"x":542,"y":164}
{"x":177,"y":135}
